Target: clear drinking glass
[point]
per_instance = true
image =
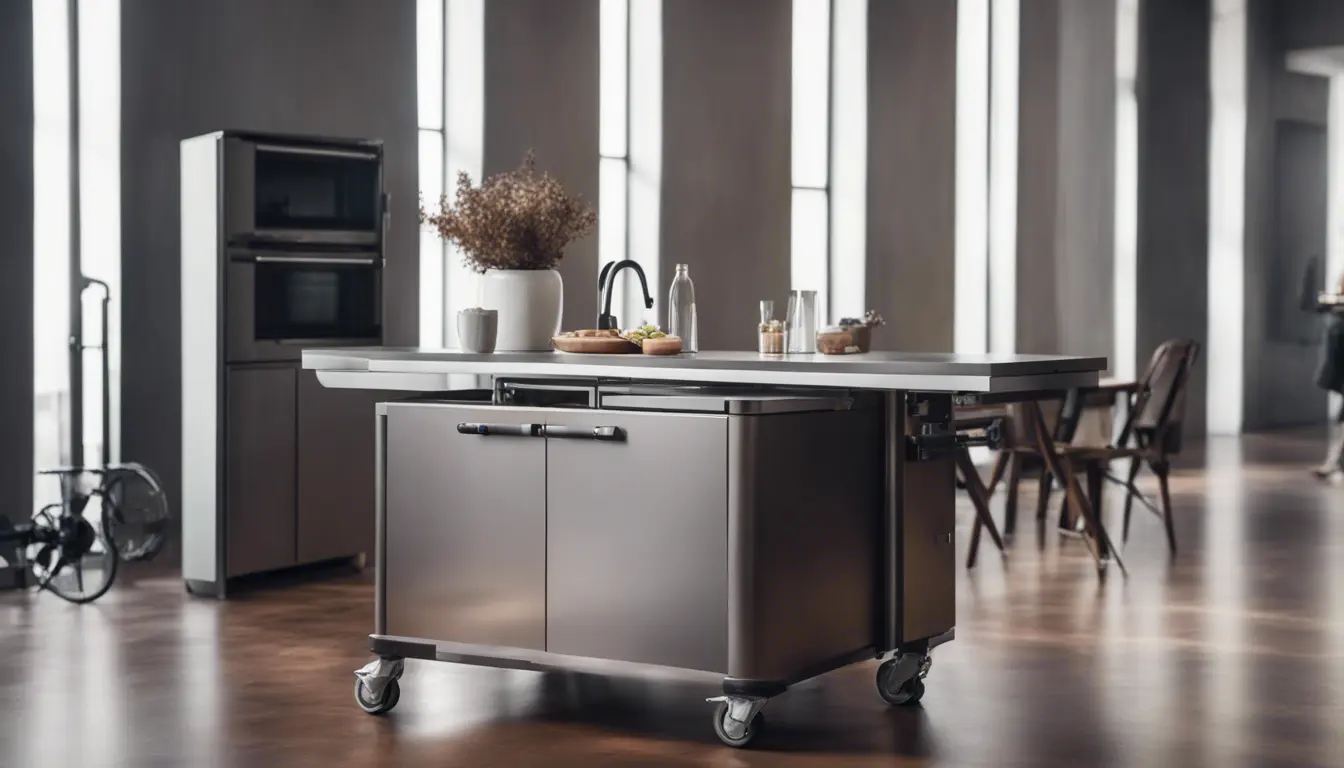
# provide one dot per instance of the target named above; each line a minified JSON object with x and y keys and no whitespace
{"x":801,"y":321}
{"x":681,"y":310}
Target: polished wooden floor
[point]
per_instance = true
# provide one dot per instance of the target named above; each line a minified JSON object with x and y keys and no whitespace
{"x":1231,"y":655}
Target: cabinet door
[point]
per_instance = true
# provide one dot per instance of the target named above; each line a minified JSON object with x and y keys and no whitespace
{"x":260,"y":470}
{"x":336,"y":470}
{"x":637,"y":538}
{"x":466,"y":527}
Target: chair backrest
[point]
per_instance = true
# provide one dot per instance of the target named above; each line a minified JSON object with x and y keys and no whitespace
{"x":1158,"y":409}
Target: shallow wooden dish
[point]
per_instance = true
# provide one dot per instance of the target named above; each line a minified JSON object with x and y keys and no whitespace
{"x":666,"y":345}
{"x":594,"y":345}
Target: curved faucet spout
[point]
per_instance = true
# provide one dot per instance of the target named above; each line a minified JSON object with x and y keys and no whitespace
{"x":606,"y":280}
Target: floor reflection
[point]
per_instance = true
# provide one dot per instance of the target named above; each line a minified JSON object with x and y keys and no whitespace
{"x":1232,"y":654}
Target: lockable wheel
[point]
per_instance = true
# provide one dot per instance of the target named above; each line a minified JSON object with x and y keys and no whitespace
{"x":897,"y":686}
{"x":381,"y":705}
{"x":732,"y":732}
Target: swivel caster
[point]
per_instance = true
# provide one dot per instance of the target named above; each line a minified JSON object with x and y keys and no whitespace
{"x":376,"y":688}
{"x":380,"y":704}
{"x":737,"y":720}
{"x":900,"y":680}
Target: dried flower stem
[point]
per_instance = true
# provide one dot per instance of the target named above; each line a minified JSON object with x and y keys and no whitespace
{"x":514,"y":220}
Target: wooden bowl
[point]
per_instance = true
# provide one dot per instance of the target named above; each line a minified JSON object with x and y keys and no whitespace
{"x":590,"y":345}
{"x":667,"y":345}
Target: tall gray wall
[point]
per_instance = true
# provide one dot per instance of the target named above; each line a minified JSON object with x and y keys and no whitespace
{"x":1278,"y":388}
{"x":16,"y":257}
{"x":726,"y":160}
{"x":1308,"y":23}
{"x":1173,"y":236}
{"x":333,"y":67}
{"x":541,"y":93}
{"x":912,"y":120}
{"x":1066,"y":178}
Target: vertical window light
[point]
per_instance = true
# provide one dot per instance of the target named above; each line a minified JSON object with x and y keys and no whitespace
{"x":613,"y":147}
{"x":432,"y":250}
{"x":645,"y":146}
{"x":51,"y":239}
{"x":849,"y":158}
{"x":810,"y":240}
{"x":429,"y":97}
{"x":464,"y":132}
{"x":971,"y":289}
{"x":1003,"y":108}
{"x":1125,"y":363}
{"x":1227,"y":240}
{"x":100,"y":215}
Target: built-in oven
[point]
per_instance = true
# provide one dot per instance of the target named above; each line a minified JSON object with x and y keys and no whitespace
{"x":310,"y":193}
{"x":281,"y":302}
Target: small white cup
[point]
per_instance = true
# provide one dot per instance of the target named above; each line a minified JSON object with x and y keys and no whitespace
{"x":477,"y":329}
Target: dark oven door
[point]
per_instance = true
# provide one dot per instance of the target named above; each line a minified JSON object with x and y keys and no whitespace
{"x":280,"y":303}
{"x":298,"y":194}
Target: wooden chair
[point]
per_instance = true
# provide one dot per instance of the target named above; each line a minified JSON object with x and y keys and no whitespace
{"x":977,"y":418}
{"x":1151,"y":434}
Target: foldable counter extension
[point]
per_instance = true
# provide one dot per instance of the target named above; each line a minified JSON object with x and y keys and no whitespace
{"x":762,"y":519}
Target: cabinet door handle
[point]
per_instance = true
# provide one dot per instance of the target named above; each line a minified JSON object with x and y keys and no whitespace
{"x":608,"y":434}
{"x":486,"y":430}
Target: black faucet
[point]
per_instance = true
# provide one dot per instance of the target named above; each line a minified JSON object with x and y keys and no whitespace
{"x":605,"y":281}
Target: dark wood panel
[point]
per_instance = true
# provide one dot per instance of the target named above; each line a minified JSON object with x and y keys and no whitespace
{"x":16,"y":257}
{"x":336,"y":446}
{"x":259,"y":474}
{"x":541,"y":93}
{"x":912,"y":119}
{"x":726,"y":161}
{"x":326,"y":67}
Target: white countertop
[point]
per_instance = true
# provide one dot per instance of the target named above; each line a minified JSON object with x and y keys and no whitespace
{"x":426,"y":369}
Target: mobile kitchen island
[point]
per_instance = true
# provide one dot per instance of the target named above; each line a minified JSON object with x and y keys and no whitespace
{"x":767,"y":519}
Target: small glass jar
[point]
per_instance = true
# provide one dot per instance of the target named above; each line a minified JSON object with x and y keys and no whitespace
{"x":772,"y":338}
{"x":771,"y":331}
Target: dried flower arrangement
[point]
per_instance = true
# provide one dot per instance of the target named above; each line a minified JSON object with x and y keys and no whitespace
{"x":514,"y":220}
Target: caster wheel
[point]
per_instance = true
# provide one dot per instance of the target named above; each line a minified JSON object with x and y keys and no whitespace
{"x":906,"y":694}
{"x":752,"y":731}
{"x":391,"y":695}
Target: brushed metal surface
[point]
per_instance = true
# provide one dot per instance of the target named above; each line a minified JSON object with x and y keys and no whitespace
{"x":335,"y":510}
{"x":465,"y":527}
{"x":726,"y":403}
{"x":380,"y":520}
{"x":893,"y":466}
{"x":928,"y":579}
{"x":804,"y":527}
{"x":261,"y":454}
{"x":924,"y":372}
{"x":636,"y":540}
{"x":203,"y":391}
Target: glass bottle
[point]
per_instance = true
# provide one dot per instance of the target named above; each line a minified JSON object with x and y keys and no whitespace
{"x":681,"y":310}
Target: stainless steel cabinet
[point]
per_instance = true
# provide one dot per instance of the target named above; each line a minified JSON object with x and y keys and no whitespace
{"x":637,"y":537}
{"x":335,"y":470}
{"x":260,"y":469}
{"x":465,"y":527}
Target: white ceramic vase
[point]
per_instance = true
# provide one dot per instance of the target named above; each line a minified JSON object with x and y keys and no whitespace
{"x":529,"y":302}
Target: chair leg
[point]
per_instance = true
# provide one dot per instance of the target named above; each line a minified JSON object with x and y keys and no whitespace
{"x":1043,"y":495}
{"x":980,"y":500}
{"x":1010,"y":503}
{"x":1094,"y":495}
{"x":1134,"y":465}
{"x":1162,"y":470}
{"x":1000,"y":463}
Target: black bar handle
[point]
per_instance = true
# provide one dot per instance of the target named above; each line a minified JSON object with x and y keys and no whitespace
{"x":989,"y":434}
{"x":606,"y":434}
{"x":514,"y":430}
